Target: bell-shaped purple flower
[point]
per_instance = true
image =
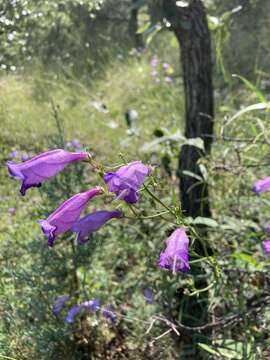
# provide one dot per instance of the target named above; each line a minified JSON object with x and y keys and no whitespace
{"x":108,"y":313}
{"x":93,"y":222}
{"x":127,"y":180}
{"x":59,"y":304}
{"x":33,"y":172}
{"x":63,"y":218}
{"x":266,"y":247}
{"x":91,"y":305}
{"x":175,"y":257}
{"x":261,"y":185}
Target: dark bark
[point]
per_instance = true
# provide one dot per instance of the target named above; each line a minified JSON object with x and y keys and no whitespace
{"x":190,"y":26}
{"x":133,"y":25}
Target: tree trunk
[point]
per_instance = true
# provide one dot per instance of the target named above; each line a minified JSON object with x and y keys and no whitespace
{"x":189,"y":24}
{"x":190,"y":27}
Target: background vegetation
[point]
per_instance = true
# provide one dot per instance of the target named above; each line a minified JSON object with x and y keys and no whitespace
{"x":69,"y":71}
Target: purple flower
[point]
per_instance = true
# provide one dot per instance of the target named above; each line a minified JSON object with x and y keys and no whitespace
{"x":59,"y":304}
{"x":41,"y":167}
{"x":76,"y":144}
{"x":127,"y":180}
{"x":168,"y":79}
{"x":74,"y":311}
{"x":13,"y":154}
{"x":108,"y":313}
{"x":91,"y":305}
{"x":165,"y":66}
{"x":261,"y":185}
{"x":266,"y":247}
{"x":12,"y":211}
{"x":24,"y":157}
{"x":93,"y":222}
{"x":154,"y":61}
{"x":149,"y":296}
{"x":154,"y":73}
{"x":68,"y":145}
{"x":267,"y":228}
{"x":63,"y":218}
{"x":175,"y":256}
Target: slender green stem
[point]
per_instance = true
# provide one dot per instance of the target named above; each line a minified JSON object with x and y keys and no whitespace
{"x":153,"y":216}
{"x":202,"y":290}
{"x":158,"y":200}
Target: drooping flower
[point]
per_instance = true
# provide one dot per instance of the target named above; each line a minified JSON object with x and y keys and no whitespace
{"x":261,"y":185}
{"x":93,"y":222}
{"x":266,"y":247}
{"x":175,"y":257}
{"x":33,"y":172}
{"x":63,"y":218}
{"x":91,"y":305}
{"x":127,"y":180}
{"x":59,"y":304}
{"x":108,"y":313}
{"x":149,"y":296}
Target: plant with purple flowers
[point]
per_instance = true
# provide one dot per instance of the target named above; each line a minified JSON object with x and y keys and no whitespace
{"x":124,"y":187}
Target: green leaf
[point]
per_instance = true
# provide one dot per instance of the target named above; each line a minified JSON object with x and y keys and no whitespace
{"x":192,"y":174}
{"x":251,"y":87}
{"x":259,"y":106}
{"x":221,"y":352}
{"x":155,"y":29}
{"x":246,"y":259}
{"x":205,"y":221}
{"x":176,"y":137}
{"x":208,"y":349}
{"x":197,"y":142}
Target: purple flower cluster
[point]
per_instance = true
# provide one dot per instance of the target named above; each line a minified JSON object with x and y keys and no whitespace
{"x":93,"y":305}
{"x":73,"y":144}
{"x":63,"y":218}
{"x":17,"y":154}
{"x":125,"y":183}
{"x":166,"y":71}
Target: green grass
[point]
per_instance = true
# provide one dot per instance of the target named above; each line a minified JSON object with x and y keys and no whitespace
{"x":27,"y":120}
